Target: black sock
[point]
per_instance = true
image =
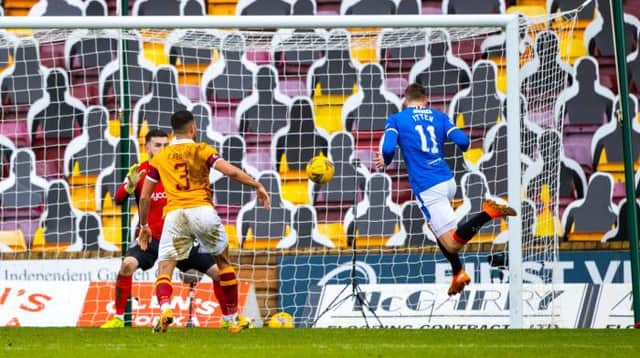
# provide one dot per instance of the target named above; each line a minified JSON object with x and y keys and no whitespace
{"x":469,"y":229}
{"x":453,"y":258}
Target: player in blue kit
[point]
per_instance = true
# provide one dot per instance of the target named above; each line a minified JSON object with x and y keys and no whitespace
{"x":421,"y":133}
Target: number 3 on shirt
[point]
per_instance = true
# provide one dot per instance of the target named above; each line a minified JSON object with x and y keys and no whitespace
{"x":424,"y":142}
{"x":184,"y":168}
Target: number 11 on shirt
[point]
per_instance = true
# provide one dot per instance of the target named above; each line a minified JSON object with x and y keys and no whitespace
{"x":424,"y":141}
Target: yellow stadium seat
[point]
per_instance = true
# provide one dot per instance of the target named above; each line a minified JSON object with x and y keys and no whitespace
{"x":294,"y":183}
{"x":251,"y":243}
{"x":373,"y":241}
{"x":112,"y":228}
{"x":18,"y":7}
{"x":328,"y":109}
{"x":547,"y":225}
{"x":82,"y":190}
{"x":39,"y":245}
{"x":335,"y":232}
{"x":154,"y":52}
{"x":232,"y":235}
{"x":363,"y":45}
{"x":222,"y":7}
{"x":528,"y":10}
{"x":542,"y":3}
{"x":572,"y":48}
{"x":616,"y":169}
{"x":14,"y":239}
{"x":191,"y":73}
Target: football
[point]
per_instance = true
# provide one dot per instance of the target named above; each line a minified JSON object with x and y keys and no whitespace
{"x":281,"y":320}
{"x":320,"y":169}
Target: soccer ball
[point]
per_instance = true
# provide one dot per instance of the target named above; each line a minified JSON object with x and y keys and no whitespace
{"x":320,"y":169}
{"x":281,"y":320}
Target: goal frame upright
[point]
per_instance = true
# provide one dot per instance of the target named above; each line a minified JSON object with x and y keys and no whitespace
{"x":509,"y":23}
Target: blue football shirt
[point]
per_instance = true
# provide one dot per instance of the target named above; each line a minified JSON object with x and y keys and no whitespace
{"x":421,"y":133}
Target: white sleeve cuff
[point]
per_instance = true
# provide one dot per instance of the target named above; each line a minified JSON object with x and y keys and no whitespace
{"x":391,"y":129}
{"x":150,"y":179}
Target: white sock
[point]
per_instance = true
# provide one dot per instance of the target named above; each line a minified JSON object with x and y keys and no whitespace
{"x":121,"y":316}
{"x":230,"y":317}
{"x":164,"y":307}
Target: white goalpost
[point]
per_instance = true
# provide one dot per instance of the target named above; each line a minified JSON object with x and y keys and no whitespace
{"x":269,"y":93}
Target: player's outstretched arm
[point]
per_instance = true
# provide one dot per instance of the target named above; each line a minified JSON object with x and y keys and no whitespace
{"x":240,"y":176}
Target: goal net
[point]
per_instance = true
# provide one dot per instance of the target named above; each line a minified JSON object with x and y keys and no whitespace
{"x":76,"y":112}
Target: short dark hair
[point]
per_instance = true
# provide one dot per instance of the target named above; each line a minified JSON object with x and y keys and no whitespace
{"x":415,"y":92}
{"x":153,"y":133}
{"x":180,"y":119}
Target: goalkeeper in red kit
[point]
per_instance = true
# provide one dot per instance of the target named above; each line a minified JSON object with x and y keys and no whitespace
{"x":144,"y":255}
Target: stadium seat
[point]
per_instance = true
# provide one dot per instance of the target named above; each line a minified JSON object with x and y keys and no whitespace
{"x":206,"y":132}
{"x":261,"y":228}
{"x":331,"y":80}
{"x":440,"y":72}
{"x":293,"y":146}
{"x":475,"y":189}
{"x":17,"y":7}
{"x":12,"y":241}
{"x":111,"y":177}
{"x":375,"y":219}
{"x":140,"y":74}
{"x":221,"y":7}
{"x":7,"y":147}
{"x":606,"y":149}
{"x":304,"y":233}
{"x":335,"y":197}
{"x":414,"y":231}
{"x":620,"y":232}
{"x":23,"y":189}
{"x":21,"y":84}
{"x":57,"y":8}
{"x":552,"y":162}
{"x":230,"y":79}
{"x":262,"y":114}
{"x":363,"y":40}
{"x":598,"y":36}
{"x":229,"y":195}
{"x":478,"y":107}
{"x":155,"y":109}
{"x":192,"y":62}
{"x":368,"y":109}
{"x":582,"y":108}
{"x":57,"y":115}
{"x":263,"y":8}
{"x":473,"y":7}
{"x":59,"y":221}
{"x":591,"y":217}
{"x":545,"y":68}
{"x":156,"y":8}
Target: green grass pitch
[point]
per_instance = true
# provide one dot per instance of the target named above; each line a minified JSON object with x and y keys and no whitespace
{"x":195,"y":343}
